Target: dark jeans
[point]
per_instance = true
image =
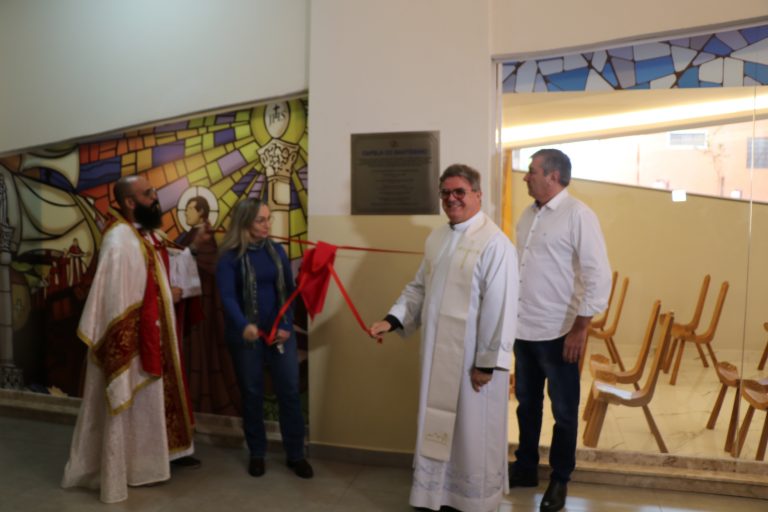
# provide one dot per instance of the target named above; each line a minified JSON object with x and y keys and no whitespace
{"x":249,"y":360}
{"x":535,"y":362}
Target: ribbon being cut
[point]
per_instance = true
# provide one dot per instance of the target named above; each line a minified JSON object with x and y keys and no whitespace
{"x":315,"y":275}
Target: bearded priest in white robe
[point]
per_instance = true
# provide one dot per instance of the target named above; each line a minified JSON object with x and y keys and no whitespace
{"x":464,"y":298}
{"x":135,"y":416}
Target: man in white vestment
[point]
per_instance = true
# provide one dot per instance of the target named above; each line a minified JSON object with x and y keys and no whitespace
{"x":464,"y":298}
{"x":135,"y":416}
{"x":565,"y":278}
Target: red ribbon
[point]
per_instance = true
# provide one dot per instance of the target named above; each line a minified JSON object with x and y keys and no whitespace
{"x":314,"y":277}
{"x":345,"y":247}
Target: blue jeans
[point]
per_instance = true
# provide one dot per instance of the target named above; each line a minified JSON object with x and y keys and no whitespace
{"x":535,"y":362}
{"x":249,"y":360}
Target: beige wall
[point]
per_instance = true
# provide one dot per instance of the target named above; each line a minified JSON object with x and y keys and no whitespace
{"x":364,"y":394}
{"x":72,"y":68}
{"x":396,"y":66}
{"x":380,"y":67}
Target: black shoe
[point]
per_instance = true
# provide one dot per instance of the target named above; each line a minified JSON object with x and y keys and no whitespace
{"x":301,"y":467}
{"x":187,"y":462}
{"x":256,"y":466}
{"x":554,"y":497}
{"x":519,"y":478}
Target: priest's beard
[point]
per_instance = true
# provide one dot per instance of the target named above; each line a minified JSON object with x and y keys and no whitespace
{"x":150,"y":217}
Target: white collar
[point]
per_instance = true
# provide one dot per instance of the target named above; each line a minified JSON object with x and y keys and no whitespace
{"x":463,"y":226}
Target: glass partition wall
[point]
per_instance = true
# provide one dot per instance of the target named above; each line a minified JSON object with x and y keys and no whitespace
{"x":679,"y":180}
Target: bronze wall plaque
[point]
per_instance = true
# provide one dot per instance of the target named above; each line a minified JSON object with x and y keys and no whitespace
{"x":395,"y":173}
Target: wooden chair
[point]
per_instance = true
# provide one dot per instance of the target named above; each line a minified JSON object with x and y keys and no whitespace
{"x":755,"y":392}
{"x":729,"y":378}
{"x":607,"y":333}
{"x":598,"y":322}
{"x":604,"y":393}
{"x":679,"y":330}
{"x":601,"y":369}
{"x":705,"y":339}
{"x":761,"y":364}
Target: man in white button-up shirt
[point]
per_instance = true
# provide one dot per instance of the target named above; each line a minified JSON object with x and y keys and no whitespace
{"x":565,"y":279}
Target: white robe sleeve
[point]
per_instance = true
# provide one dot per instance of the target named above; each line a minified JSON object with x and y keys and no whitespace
{"x":409,"y":305}
{"x":497,"y":279}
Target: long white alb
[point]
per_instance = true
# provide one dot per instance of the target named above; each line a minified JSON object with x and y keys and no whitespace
{"x":475,"y":477}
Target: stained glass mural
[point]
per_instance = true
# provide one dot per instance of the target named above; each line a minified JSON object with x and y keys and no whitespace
{"x":733,"y":58}
{"x":54,"y":201}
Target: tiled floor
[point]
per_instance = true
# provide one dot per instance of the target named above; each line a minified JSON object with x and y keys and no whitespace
{"x":33,"y":453}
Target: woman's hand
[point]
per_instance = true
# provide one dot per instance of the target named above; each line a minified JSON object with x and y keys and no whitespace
{"x":251,"y":333}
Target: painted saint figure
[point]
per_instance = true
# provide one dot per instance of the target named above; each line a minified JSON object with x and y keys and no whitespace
{"x":212,"y":380}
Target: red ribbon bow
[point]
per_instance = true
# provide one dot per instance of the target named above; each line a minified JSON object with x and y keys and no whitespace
{"x":314,"y":277}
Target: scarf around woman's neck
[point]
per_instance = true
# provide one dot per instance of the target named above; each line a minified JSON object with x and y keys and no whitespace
{"x":250,"y":296}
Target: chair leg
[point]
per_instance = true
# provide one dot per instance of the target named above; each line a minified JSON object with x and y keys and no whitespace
{"x":654,"y":429}
{"x":716,"y":409}
{"x":670,"y":355}
{"x":763,"y":359}
{"x":763,"y":440}
{"x":712,"y":354}
{"x":614,"y":353}
{"x":702,"y":356}
{"x":588,"y":407}
{"x":583,"y":355}
{"x":733,"y":424}
{"x":595,"y":424}
{"x":743,"y":431}
{"x":676,"y":369}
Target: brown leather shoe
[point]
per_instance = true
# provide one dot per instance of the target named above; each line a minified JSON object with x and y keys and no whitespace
{"x":301,"y":467}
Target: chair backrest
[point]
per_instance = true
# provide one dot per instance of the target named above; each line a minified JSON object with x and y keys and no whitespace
{"x":694,"y":323}
{"x":611,"y":329}
{"x":662,"y":347}
{"x":599,"y":322}
{"x":707,"y":336}
{"x":636,"y":372}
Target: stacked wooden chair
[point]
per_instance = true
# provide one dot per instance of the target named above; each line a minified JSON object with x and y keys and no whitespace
{"x":601,"y":368}
{"x":605,"y":391}
{"x":599,"y":329}
{"x":729,"y":378}
{"x":685,"y":333}
{"x":598,"y":322}
{"x":755,"y":392}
